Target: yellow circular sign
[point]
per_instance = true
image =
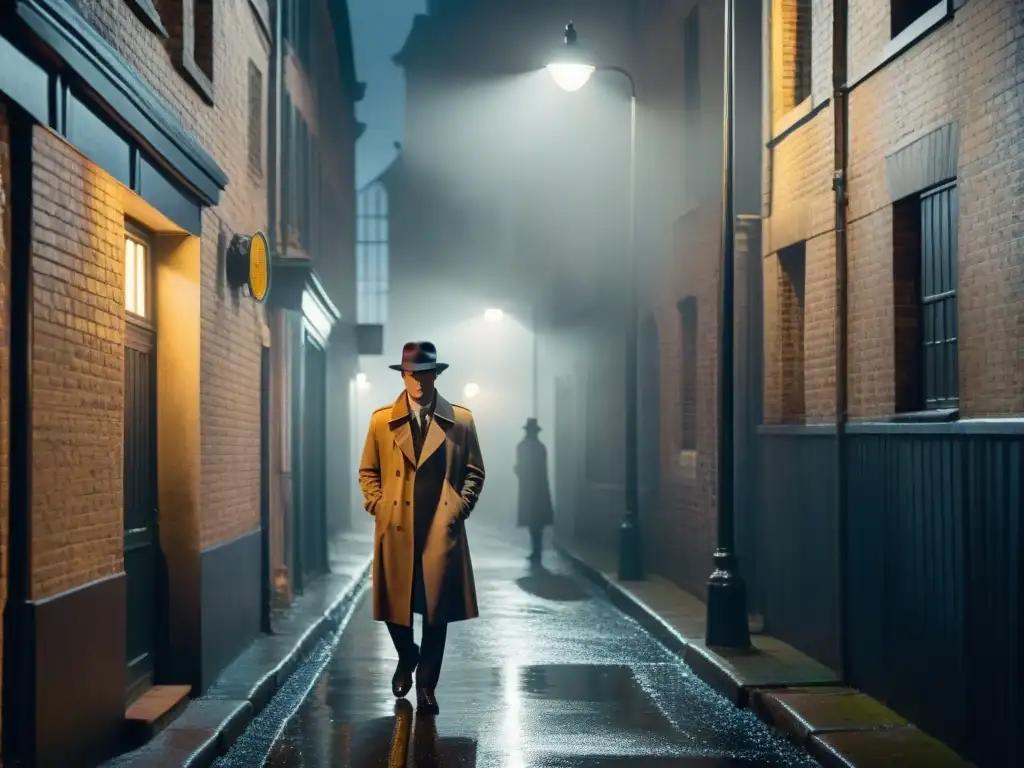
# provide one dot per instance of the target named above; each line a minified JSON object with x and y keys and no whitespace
{"x":259,"y":267}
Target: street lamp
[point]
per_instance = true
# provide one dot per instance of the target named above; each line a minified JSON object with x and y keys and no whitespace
{"x":571,"y":70}
{"x":493,"y":315}
{"x":471,"y":390}
{"x":726,"y":624}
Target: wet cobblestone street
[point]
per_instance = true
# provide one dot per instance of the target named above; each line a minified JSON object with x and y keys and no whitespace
{"x":551,"y":675}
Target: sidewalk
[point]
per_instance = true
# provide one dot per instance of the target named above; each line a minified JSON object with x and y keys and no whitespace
{"x":840,"y":727}
{"x":208,"y":727}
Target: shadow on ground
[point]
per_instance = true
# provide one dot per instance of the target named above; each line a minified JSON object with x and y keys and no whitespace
{"x":547,"y":585}
{"x":431,"y":751}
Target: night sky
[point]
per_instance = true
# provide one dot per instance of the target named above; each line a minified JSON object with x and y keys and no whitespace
{"x":379,"y":28}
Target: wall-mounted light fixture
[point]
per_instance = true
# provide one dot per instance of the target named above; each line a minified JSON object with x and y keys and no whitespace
{"x":248,"y":265}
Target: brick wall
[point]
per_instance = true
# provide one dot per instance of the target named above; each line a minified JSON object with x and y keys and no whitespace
{"x":5,"y":245}
{"x":682,"y":532}
{"x":77,"y":369}
{"x":966,"y":71}
{"x":231,"y":329}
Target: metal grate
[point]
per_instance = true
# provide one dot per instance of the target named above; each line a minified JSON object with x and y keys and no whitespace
{"x":938,"y":297}
{"x":255,"y":119}
{"x":372,"y":255}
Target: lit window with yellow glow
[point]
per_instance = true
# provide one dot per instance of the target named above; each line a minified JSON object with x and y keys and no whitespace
{"x":136,"y":269}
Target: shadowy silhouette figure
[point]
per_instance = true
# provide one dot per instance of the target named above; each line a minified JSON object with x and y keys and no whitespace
{"x":548,"y":585}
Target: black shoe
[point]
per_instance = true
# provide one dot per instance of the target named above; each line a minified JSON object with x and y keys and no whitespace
{"x":426,"y":704}
{"x":401,"y":682}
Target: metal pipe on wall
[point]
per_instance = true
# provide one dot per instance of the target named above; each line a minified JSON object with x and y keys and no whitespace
{"x":840,"y":96}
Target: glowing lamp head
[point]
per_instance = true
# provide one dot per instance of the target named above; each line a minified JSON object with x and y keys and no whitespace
{"x":493,"y":315}
{"x":570,"y":70}
{"x":471,"y":390}
{"x":361,"y":381}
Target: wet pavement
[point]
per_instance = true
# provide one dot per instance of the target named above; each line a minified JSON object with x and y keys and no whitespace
{"x":550,"y":676}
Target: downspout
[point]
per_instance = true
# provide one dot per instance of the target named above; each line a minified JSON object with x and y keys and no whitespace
{"x":840,"y":95}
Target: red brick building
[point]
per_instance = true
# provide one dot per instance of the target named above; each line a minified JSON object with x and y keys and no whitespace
{"x":133,"y":150}
{"x":918,"y":569}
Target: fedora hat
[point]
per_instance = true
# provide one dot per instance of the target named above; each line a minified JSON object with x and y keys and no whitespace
{"x":531,"y":425}
{"x":419,"y":356}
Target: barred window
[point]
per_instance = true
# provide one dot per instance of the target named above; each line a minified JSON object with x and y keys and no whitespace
{"x":255,"y":119}
{"x":925,"y":300}
{"x":372,"y":255}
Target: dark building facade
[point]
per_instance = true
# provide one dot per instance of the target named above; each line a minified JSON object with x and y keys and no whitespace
{"x":909,"y":525}
{"x":135,"y":452}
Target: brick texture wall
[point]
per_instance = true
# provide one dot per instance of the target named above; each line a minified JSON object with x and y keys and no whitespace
{"x":967,"y":70}
{"x":5,"y":246}
{"x":77,"y":369}
{"x":231,"y":328}
{"x":681,"y":535}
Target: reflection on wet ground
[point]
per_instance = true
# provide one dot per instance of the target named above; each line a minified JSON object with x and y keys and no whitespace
{"x":550,"y":676}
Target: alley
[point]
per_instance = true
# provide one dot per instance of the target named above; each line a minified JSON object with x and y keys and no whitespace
{"x":551,"y":675}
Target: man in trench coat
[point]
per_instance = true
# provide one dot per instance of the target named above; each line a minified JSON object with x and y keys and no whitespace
{"x":421,"y":475}
{"x":534,"y":511}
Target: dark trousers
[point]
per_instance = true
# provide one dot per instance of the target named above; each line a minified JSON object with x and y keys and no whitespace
{"x":536,"y":540}
{"x":431,"y":650}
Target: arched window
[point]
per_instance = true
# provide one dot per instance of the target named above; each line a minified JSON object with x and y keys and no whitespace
{"x":372,"y":255}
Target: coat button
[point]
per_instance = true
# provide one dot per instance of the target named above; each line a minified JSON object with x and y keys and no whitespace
{"x":398,"y":528}
{"x":407,"y":503}
{"x":398,"y":473}
{"x":396,"y":502}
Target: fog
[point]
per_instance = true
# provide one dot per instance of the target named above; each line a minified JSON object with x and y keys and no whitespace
{"x":512,"y":194}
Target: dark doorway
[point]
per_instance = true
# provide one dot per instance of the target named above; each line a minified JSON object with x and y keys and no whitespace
{"x":141,"y":534}
{"x":566,"y":457}
{"x":311,"y":536}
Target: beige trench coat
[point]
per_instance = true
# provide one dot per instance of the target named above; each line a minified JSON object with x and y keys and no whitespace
{"x":387,"y":476}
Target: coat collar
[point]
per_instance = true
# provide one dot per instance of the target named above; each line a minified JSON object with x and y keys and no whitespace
{"x":443,"y":417}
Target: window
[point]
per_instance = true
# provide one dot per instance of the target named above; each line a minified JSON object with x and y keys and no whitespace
{"x":691,"y":62}
{"x":202,"y":36}
{"x":792,"y":274}
{"x":792,"y":59}
{"x":190,"y":26}
{"x":688,"y":320}
{"x":903,"y":13}
{"x":136,"y":276}
{"x":255,"y":119}
{"x":924,"y":300}
{"x":372,"y":255}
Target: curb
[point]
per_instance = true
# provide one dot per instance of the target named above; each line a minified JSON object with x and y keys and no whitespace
{"x":263,"y":690}
{"x":873,"y":743}
{"x":212,"y":723}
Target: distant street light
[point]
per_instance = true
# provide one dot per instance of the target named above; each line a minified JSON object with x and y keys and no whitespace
{"x":495,"y":316}
{"x":471,"y":390}
{"x":571,"y":70}
{"x":361,"y":381}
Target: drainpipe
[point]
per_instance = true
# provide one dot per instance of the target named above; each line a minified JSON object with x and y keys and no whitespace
{"x":840,"y":96}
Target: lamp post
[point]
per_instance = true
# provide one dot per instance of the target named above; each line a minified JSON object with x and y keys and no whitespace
{"x":571,"y":70}
{"x":727,"y":595}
